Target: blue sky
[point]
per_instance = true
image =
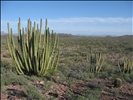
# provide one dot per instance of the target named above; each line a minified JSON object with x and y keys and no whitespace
{"x":75,"y":17}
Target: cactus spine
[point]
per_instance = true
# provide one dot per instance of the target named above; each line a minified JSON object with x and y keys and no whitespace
{"x":34,"y":55}
{"x":126,"y":66}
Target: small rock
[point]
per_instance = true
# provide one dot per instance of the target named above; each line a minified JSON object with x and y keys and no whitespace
{"x":41,"y":82}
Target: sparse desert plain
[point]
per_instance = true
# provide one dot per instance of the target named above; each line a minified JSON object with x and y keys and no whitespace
{"x":76,"y":77}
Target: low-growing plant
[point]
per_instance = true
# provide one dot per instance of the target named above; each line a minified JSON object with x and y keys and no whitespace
{"x":7,"y":77}
{"x":92,"y":94}
{"x":11,"y":78}
{"x":47,"y":85}
{"x":69,"y":95}
{"x":107,"y":67}
{"x":116,"y":93}
{"x":32,"y":93}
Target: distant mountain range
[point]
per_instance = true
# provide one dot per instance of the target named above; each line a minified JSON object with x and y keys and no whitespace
{"x":65,"y":35}
{"x":3,"y":33}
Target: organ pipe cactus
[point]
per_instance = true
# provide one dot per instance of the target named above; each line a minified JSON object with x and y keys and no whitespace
{"x":96,"y":61}
{"x":126,"y":66}
{"x":34,"y":54}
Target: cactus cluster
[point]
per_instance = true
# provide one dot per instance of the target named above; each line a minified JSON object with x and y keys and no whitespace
{"x":96,"y":61}
{"x":34,"y":54}
{"x":126,"y":66}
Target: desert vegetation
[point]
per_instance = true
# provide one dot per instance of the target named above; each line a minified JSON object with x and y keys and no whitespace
{"x":51,"y":66}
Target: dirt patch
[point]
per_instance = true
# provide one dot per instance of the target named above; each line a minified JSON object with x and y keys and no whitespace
{"x":15,"y":92}
{"x":58,"y":90}
{"x":125,"y":92}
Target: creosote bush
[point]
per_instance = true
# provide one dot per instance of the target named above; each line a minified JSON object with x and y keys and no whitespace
{"x":34,"y":54}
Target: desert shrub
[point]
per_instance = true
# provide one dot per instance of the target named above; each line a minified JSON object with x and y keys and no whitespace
{"x":71,"y":80}
{"x":118,"y":75}
{"x":59,"y":77}
{"x":32,"y":93}
{"x":65,"y":70}
{"x":128,"y":77}
{"x":103,"y":75}
{"x":69,"y":95}
{"x":116,"y":93}
{"x":125,"y":77}
{"x":47,"y":85}
{"x":131,"y":77}
{"x":108,"y":67}
{"x":19,"y":80}
{"x":92,"y":94}
{"x":5,"y":65}
{"x":11,"y":78}
{"x":32,"y":77}
{"x":79,"y":97}
{"x":7,"y":78}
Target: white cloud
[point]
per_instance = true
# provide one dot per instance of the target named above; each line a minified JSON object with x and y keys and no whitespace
{"x":84,"y":25}
{"x":91,"y":20}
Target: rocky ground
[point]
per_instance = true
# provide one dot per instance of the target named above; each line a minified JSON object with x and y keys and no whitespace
{"x":108,"y":91}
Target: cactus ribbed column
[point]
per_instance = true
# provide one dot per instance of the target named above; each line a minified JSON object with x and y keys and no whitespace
{"x":34,"y":54}
{"x":96,"y":60}
{"x":126,"y":66}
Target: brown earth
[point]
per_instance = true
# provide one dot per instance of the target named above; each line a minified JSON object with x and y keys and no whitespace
{"x":108,"y":91}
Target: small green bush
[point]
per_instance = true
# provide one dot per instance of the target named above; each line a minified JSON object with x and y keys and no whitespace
{"x":32,"y":93}
{"x":47,"y":85}
{"x":92,"y":94}
{"x":7,"y":78}
{"x":11,"y":78}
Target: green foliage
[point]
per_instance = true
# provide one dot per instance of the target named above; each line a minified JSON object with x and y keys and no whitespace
{"x":34,"y":55}
{"x":11,"y":78}
{"x":7,"y":78}
{"x":125,"y":77}
{"x":70,"y":95}
{"x":116,"y":93}
{"x":92,"y":94}
{"x":108,"y":68}
{"x":32,"y":93}
{"x":47,"y":85}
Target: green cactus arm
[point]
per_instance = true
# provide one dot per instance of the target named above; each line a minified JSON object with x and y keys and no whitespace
{"x":100,"y":66}
{"x":40,"y":33}
{"x":8,"y":39}
{"x":51,"y":56}
{"x":44,"y":52}
{"x":14,"y":53}
{"x":125,"y":66}
{"x":24,"y":51}
{"x":47,"y":53}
